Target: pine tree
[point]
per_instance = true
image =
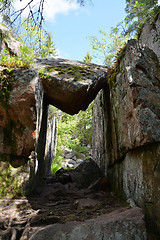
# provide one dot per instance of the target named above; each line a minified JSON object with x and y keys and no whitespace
{"x":88,"y":58}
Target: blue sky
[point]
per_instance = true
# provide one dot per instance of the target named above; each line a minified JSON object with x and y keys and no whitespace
{"x":71,"y":31}
{"x":71,"y":25}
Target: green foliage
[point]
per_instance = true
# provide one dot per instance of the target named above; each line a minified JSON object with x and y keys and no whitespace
{"x":56,"y":164}
{"x":36,"y":43}
{"x":5,"y":9}
{"x":48,"y":48}
{"x":37,"y":39}
{"x":5,"y":85}
{"x":74,"y":73}
{"x":74,"y":132}
{"x":88,"y":58}
{"x":138,"y":11}
{"x":10,"y":179}
{"x":24,"y":60}
{"x":105,"y":49}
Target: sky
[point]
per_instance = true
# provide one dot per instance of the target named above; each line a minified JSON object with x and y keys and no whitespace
{"x":71,"y":24}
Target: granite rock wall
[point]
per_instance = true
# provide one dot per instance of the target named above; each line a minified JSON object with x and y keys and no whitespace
{"x":132,"y":117}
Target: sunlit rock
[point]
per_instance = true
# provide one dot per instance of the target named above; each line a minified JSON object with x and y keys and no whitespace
{"x":71,"y":85}
{"x":135,"y":97}
{"x":8,"y":42}
{"x":18,"y":114}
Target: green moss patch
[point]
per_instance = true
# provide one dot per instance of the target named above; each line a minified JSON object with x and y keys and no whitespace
{"x":10,"y":131}
{"x":6,"y":79}
{"x":11,"y":181}
{"x":115,"y":69}
{"x":12,"y":127}
{"x":76,"y":73}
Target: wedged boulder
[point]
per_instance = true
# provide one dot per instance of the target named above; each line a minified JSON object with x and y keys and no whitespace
{"x":121,"y":224}
{"x":135,"y":98}
{"x":24,"y":98}
{"x":71,"y":85}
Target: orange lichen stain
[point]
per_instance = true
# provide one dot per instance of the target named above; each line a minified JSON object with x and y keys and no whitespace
{"x":33,"y":134}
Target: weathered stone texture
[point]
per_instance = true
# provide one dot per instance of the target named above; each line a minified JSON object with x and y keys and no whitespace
{"x":150,"y":35}
{"x":120,"y":224}
{"x":135,"y":100}
{"x":133,"y":118}
{"x":25,"y":95}
{"x":18,"y":113}
{"x":101,"y":129}
{"x":51,"y":142}
{"x":137,"y":177}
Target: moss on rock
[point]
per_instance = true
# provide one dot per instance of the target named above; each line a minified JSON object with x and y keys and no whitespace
{"x":76,"y":73}
{"x":6,"y":79}
{"x":13,"y":180}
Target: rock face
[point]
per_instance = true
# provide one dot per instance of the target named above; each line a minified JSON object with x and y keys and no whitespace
{"x":101,"y":129}
{"x":86,"y":173}
{"x":117,"y":225}
{"x":129,"y":128}
{"x":51,"y":141}
{"x":72,"y":158}
{"x":137,"y":178}
{"x":126,"y":125}
{"x":8,"y":42}
{"x":135,"y":97}
{"x":17,"y":115}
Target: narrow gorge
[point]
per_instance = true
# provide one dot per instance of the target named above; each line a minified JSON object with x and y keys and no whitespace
{"x":125,"y":142}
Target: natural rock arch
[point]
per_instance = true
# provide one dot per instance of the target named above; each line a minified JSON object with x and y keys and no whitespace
{"x":68,"y":85}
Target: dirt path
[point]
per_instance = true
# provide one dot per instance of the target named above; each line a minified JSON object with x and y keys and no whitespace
{"x":57,"y":203}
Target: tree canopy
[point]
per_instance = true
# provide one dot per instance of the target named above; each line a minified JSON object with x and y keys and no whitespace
{"x":106,"y":47}
{"x":138,"y":11}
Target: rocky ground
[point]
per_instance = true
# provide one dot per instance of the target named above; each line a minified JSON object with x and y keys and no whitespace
{"x":72,"y":158}
{"x":69,"y":198}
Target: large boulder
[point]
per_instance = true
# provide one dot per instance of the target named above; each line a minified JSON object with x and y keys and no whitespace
{"x":86,"y":173}
{"x":71,"y":85}
{"x":120,"y":224}
{"x":17,"y":114}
